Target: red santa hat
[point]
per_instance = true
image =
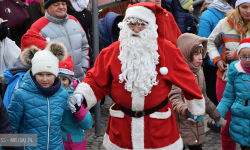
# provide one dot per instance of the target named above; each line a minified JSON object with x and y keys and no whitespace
{"x":66,"y":68}
{"x":238,"y":2}
{"x":243,"y":44}
{"x":153,"y":14}
{"x":33,"y":38}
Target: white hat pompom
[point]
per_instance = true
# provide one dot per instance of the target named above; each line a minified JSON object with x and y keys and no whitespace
{"x":163,"y":70}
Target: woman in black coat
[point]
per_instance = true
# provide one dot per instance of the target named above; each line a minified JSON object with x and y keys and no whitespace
{"x":79,"y":10}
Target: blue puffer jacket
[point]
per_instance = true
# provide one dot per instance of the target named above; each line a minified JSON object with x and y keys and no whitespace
{"x":13,"y":81}
{"x":208,"y":23}
{"x":236,"y":92}
{"x":31,"y":112}
{"x":182,"y":17}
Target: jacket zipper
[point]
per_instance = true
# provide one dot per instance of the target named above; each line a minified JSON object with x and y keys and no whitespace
{"x":197,"y":134}
{"x":196,"y":76}
{"x":48,"y":123}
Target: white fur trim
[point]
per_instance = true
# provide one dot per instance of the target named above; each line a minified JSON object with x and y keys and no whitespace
{"x":238,"y":2}
{"x":116,"y":113}
{"x":239,"y":67}
{"x":196,"y":106}
{"x":161,"y":115}
{"x":88,"y":93}
{"x":66,"y":71}
{"x":137,"y":124}
{"x":243,"y":45}
{"x":177,"y":145}
{"x":142,"y":13}
{"x":163,"y":70}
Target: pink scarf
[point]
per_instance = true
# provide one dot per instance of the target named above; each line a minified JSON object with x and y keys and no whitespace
{"x":75,"y":83}
{"x":246,"y":69}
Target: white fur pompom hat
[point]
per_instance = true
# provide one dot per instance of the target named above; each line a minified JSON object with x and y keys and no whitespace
{"x":46,"y":60}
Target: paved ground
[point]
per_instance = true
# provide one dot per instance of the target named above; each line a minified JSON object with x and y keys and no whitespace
{"x":95,"y":143}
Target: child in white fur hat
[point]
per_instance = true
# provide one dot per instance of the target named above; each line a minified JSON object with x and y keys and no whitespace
{"x":37,"y":106}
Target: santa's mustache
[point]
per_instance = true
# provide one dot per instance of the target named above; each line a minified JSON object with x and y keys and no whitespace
{"x":135,"y":34}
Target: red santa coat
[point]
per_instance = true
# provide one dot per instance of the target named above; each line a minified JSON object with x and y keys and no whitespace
{"x":157,"y":131}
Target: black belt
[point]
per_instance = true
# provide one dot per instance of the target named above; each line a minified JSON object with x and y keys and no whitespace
{"x":138,"y":114}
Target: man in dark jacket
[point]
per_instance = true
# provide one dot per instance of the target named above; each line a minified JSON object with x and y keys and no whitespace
{"x":108,"y":28}
{"x":79,"y":10}
{"x":184,"y":18}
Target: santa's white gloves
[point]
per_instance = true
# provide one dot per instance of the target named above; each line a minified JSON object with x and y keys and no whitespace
{"x":74,"y":100}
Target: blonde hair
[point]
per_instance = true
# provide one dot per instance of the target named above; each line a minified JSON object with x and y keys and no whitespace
{"x":204,"y":7}
{"x":235,"y":14}
{"x":41,"y":2}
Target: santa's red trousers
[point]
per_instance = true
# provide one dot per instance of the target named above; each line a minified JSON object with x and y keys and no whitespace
{"x":226,"y":141}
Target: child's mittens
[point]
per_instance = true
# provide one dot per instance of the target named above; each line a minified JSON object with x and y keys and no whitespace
{"x":221,"y":123}
{"x":195,"y":118}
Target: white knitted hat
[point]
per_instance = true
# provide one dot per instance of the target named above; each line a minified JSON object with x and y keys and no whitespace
{"x":238,"y":2}
{"x":48,"y":59}
{"x":142,"y":13}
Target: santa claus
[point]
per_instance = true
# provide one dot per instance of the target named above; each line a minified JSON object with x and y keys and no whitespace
{"x":138,"y":71}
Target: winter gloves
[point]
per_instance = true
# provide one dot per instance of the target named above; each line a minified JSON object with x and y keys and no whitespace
{"x":195,"y":118}
{"x":75,"y":102}
{"x":220,"y":123}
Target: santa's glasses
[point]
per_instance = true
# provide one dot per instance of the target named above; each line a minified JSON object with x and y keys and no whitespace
{"x":132,"y":23}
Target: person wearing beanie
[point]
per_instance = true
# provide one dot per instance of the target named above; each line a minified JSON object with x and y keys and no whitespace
{"x":182,"y":11}
{"x":236,"y":96}
{"x":66,"y":71}
{"x":193,"y":54}
{"x":228,"y":33}
{"x":138,"y":71}
{"x":73,"y":124}
{"x":13,"y":75}
{"x":37,"y":106}
{"x":58,"y":25}
{"x":185,"y":4}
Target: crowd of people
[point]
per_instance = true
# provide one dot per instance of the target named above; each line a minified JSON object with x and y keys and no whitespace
{"x":162,"y":67}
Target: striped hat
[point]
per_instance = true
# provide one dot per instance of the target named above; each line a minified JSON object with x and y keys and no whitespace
{"x":186,"y":3}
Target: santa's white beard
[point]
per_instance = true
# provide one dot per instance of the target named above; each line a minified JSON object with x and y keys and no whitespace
{"x":139,"y":57}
